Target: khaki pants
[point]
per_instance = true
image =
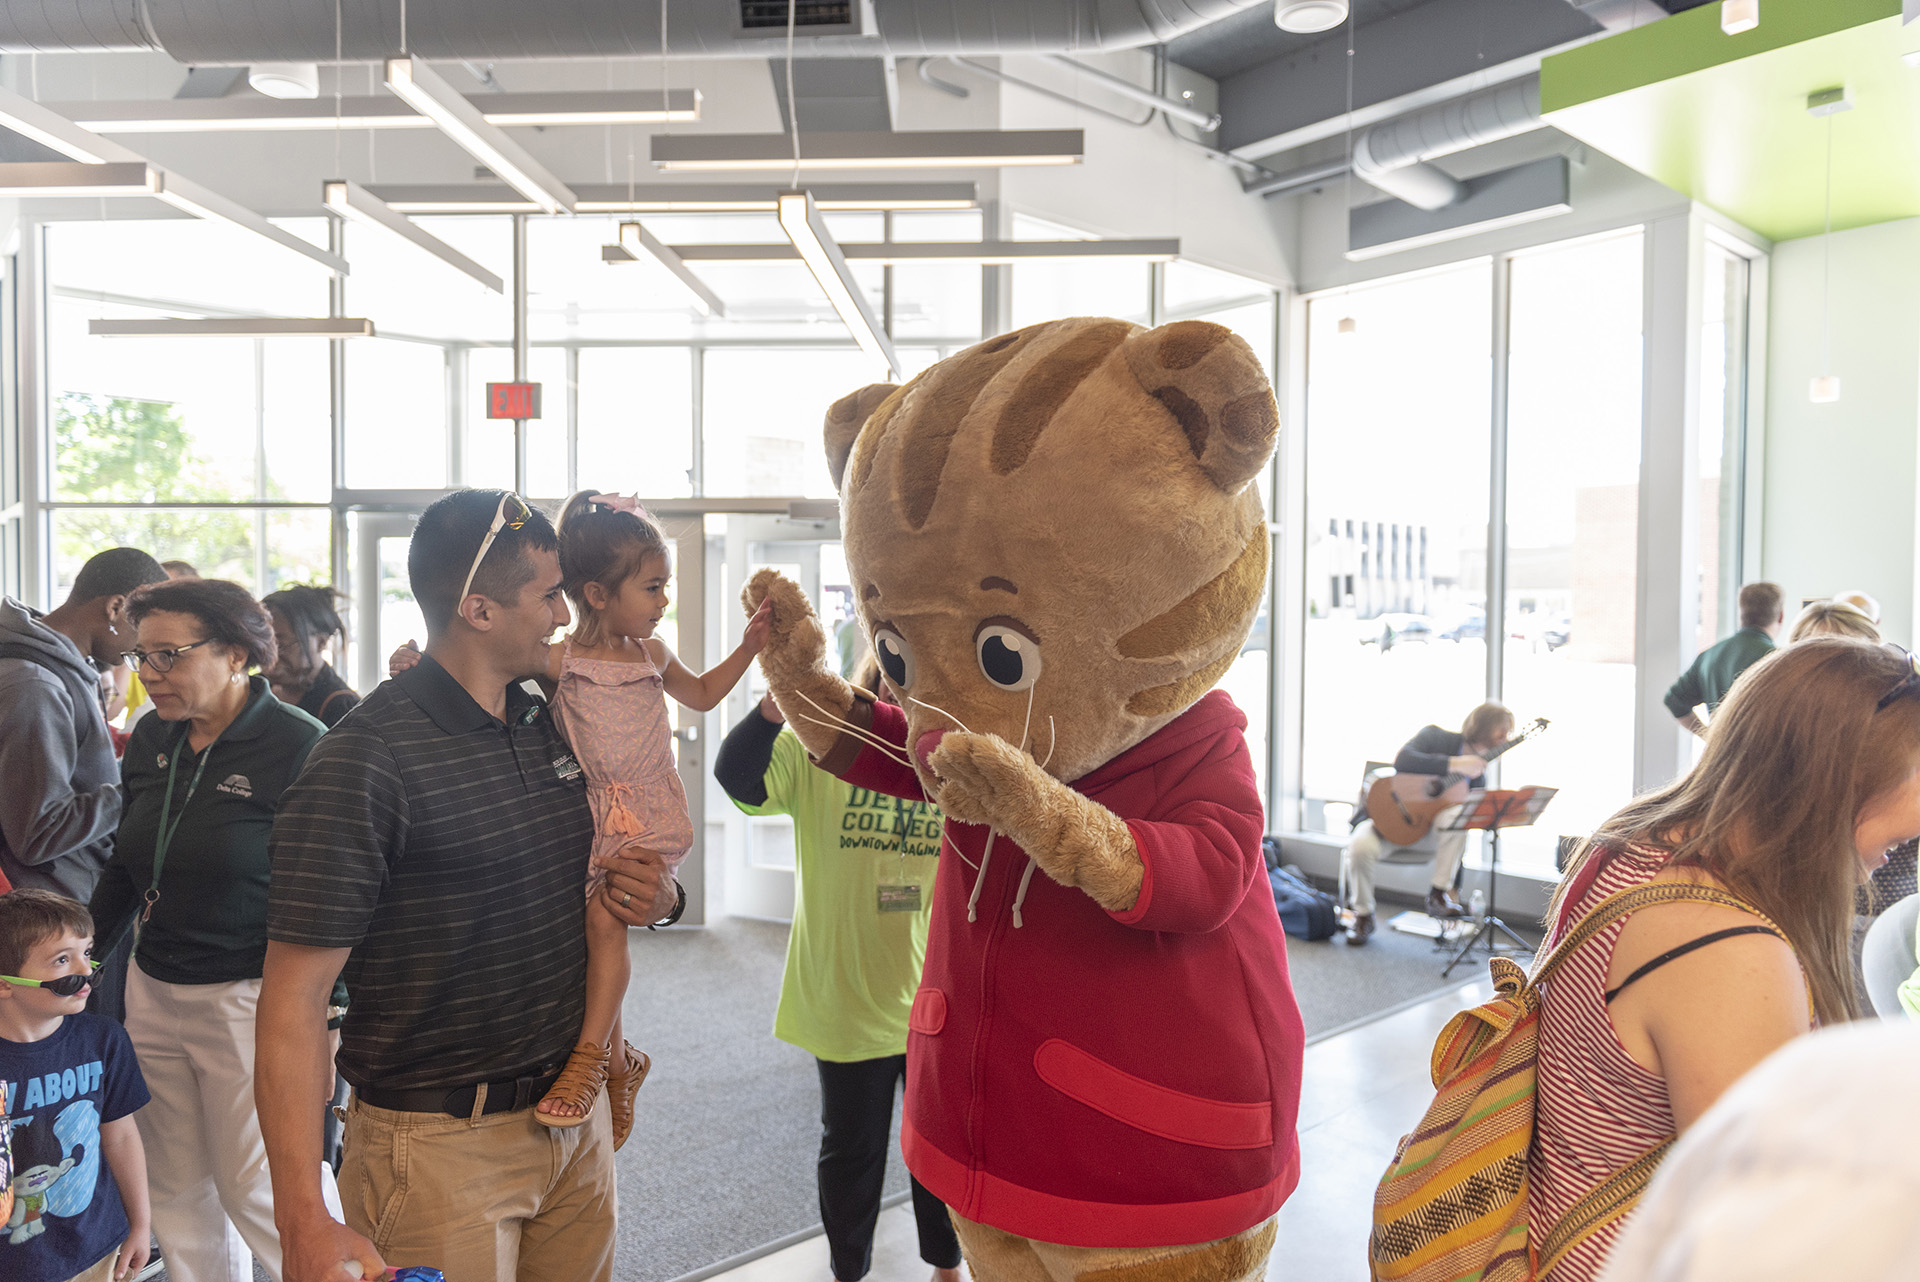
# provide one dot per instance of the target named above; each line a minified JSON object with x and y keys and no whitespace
{"x":498,"y":1198}
{"x":101,"y":1272}
{"x":997,"y":1256}
{"x":1367,"y":846}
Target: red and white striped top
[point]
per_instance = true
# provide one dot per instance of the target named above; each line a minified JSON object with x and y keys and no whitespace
{"x":1597,"y":1109}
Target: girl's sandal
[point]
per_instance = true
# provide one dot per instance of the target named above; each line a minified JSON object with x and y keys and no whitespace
{"x":623,"y":1083}
{"x":579,"y":1084}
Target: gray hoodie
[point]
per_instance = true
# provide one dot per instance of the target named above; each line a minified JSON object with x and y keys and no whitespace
{"x":60,"y":799}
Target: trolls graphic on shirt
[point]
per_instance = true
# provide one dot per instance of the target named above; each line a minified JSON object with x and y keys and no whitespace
{"x":56,"y":1156}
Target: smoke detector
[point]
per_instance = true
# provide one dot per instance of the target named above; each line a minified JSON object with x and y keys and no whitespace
{"x":285,"y":79}
{"x":1308,"y":16}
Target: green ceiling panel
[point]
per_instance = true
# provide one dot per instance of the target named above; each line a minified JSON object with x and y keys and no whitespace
{"x":1723,"y":119}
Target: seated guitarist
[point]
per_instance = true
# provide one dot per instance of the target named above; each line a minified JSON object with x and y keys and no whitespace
{"x":1433,"y":751}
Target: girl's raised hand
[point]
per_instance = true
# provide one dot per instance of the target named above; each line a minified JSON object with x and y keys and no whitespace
{"x":404,"y":656}
{"x":758,"y":628}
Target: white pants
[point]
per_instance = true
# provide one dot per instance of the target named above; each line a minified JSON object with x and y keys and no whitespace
{"x":206,"y":1163}
{"x":1367,"y":847}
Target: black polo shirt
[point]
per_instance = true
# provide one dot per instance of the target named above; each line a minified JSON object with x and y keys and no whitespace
{"x":449,"y":851}
{"x":209,"y":924}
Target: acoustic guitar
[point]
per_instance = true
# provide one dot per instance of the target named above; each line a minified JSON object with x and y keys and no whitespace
{"x":1403,"y":806}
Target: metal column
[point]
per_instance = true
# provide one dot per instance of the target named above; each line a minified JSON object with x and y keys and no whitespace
{"x":519,"y":346}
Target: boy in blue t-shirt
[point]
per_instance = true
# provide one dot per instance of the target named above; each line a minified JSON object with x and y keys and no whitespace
{"x":80,"y":1208}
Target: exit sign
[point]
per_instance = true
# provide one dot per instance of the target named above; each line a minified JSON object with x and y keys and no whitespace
{"x":513,"y":400}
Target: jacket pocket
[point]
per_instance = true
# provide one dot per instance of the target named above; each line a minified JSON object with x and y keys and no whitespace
{"x":1148,"y":1106}
{"x":929,"y":1013}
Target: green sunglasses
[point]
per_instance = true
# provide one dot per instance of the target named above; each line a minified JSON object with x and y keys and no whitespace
{"x":65,"y":986}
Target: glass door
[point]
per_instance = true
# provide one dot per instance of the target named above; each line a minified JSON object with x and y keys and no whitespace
{"x":384,"y":611}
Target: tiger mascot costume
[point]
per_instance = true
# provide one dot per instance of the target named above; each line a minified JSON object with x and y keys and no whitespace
{"x":1057,"y":548}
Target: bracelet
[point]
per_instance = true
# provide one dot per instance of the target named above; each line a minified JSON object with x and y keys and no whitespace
{"x":679,"y":906}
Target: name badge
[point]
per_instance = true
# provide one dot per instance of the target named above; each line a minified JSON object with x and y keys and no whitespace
{"x":566,"y":767}
{"x":900,"y":899}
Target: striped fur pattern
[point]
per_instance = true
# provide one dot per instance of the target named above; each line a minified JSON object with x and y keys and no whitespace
{"x":1453,"y":1206}
{"x":1085,"y":484}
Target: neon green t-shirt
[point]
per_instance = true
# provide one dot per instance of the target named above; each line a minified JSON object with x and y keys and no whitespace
{"x":860,"y":909}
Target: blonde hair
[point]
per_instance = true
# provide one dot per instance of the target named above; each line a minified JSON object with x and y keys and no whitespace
{"x":1835,"y":618}
{"x":1793,"y":758}
{"x":1483,"y":721}
{"x":601,"y":544}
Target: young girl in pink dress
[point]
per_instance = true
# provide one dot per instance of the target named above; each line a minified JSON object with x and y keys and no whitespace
{"x":611,"y":677}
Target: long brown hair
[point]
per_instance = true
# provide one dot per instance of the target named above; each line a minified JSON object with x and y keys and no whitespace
{"x":601,"y":544}
{"x":1793,"y":757}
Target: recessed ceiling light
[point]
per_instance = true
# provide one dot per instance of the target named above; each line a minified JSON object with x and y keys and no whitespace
{"x":1308,"y":16}
{"x":285,"y":79}
{"x":1737,"y":16}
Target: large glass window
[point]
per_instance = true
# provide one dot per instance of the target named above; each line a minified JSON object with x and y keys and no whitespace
{"x":1398,"y":387}
{"x":1723,"y":420}
{"x":1573,"y":506}
{"x":764,"y":410}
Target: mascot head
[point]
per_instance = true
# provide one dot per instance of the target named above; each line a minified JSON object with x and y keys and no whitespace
{"x":1055,"y":536}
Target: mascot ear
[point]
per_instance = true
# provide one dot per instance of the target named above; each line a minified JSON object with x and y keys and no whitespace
{"x":844,"y":421}
{"x":1211,"y":383}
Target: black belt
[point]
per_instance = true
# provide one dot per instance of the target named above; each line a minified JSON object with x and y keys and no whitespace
{"x":509,"y":1096}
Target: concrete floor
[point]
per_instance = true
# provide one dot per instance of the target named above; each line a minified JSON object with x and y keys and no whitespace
{"x":1360,"y":1091}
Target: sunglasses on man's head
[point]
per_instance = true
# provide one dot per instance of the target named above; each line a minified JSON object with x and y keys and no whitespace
{"x":65,"y":986}
{"x":510,"y":515}
{"x":1909,"y":684}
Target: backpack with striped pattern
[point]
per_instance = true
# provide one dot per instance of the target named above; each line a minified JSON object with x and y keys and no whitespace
{"x":1452,"y":1207}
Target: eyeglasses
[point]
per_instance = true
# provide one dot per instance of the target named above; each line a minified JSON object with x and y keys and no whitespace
{"x":65,"y":986}
{"x":500,"y":522}
{"x":1908,"y":683}
{"x":161,"y":661}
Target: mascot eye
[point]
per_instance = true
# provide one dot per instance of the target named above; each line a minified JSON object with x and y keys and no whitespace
{"x":1009,"y":657}
{"x":895,"y":655}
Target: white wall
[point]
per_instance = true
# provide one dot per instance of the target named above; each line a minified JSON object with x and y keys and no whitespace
{"x":1840,"y":489}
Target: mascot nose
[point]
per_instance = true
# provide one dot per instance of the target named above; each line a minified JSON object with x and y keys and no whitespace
{"x":923,"y":746}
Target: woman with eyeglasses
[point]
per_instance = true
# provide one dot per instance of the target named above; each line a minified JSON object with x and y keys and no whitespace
{"x":202,"y":779}
{"x":1811,"y":775}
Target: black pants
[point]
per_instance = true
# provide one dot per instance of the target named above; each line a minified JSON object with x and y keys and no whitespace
{"x":856,"y":1119}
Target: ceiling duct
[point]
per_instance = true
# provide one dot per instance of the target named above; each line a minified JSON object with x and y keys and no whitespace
{"x":246,"y":31}
{"x":1392,"y":154}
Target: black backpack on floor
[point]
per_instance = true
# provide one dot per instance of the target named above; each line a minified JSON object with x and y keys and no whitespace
{"x":1305,"y":913}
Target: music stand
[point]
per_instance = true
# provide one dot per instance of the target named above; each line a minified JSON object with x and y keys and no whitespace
{"x":1497,"y":809}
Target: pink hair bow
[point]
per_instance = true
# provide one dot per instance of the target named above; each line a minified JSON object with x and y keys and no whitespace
{"x":618,"y":503}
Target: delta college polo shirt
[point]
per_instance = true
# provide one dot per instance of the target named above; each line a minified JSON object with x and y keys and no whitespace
{"x":449,"y":851}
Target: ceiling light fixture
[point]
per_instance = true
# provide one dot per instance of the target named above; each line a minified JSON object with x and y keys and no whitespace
{"x":25,"y":116}
{"x":1305,"y":17}
{"x":800,"y":219}
{"x":285,"y":79}
{"x":421,"y":88}
{"x":983,"y":253}
{"x":246,"y":114}
{"x":77,"y":178}
{"x":1824,"y":389}
{"x":916,"y":149}
{"x":677,"y":197}
{"x":1737,"y":16}
{"x":636,"y":240}
{"x":351,"y":200}
{"x":235,"y":327}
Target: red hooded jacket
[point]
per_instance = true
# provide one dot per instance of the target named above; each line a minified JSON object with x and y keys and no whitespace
{"x":1109,"y":1079}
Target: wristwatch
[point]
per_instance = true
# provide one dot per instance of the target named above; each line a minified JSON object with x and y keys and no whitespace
{"x":679,"y":906}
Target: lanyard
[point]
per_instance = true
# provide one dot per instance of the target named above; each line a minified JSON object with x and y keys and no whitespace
{"x":163,"y":839}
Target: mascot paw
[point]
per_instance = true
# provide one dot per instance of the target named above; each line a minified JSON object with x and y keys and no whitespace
{"x":796,"y":643}
{"x":986,"y":780}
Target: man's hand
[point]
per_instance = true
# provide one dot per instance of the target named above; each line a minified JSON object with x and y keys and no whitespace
{"x":325,"y":1250}
{"x":404,"y":656}
{"x":640,"y":887}
{"x":1693,"y":722}
{"x":771,"y":710}
{"x":1471,"y":766}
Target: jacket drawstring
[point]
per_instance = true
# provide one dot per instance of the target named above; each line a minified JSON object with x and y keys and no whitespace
{"x":1021,"y":898}
{"x":980,"y":877}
